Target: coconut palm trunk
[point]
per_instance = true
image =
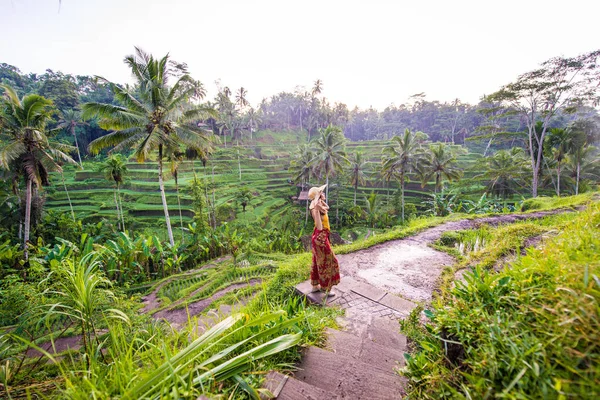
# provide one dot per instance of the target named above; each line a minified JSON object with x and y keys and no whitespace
{"x":121,"y":206}
{"x":577,"y":178}
{"x":179,"y":205}
{"x":558,"y":179}
{"x":68,"y":197}
{"x":402,"y":194}
{"x":76,"y":146}
{"x":163,"y":196}
{"x":27,"y":218}
{"x":118,"y":210}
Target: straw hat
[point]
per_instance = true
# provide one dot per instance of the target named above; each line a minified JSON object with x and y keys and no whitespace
{"x":314,"y":193}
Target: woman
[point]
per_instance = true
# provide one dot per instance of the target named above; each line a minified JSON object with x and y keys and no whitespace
{"x":325,"y":270}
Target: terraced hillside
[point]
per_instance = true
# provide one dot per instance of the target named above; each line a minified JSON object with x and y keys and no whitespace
{"x":261,"y":166}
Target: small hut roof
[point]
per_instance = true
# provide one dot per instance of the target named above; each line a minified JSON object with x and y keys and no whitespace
{"x":303,"y":196}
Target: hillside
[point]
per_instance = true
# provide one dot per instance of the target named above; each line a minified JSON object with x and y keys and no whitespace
{"x":262,"y":167}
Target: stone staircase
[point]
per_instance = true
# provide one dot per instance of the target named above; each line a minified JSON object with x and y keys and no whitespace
{"x":358,"y":362}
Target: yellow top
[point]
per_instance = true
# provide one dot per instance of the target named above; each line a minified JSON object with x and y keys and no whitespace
{"x":325,"y":221}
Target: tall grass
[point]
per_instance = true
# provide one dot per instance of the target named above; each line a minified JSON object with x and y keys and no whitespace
{"x":530,"y":331}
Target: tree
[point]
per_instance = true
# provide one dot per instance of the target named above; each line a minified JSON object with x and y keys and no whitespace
{"x":581,"y":155}
{"x":371,"y":207}
{"x":505,"y":171}
{"x":240,"y":98}
{"x":560,"y":85}
{"x":69,"y":120}
{"x":115,"y":169}
{"x":583,"y":164}
{"x":243,"y":197}
{"x":400,"y":156}
{"x":154,"y":119}
{"x":438,"y":162}
{"x":559,"y":144}
{"x":357,"y":172}
{"x":330,"y":154}
{"x":301,"y":168}
{"x":317,"y":88}
{"x":25,"y":146}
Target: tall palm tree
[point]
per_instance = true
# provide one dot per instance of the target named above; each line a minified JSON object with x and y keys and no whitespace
{"x":240,"y":98}
{"x":301,"y":168}
{"x":506,"y":171}
{"x":559,"y":143}
{"x":357,"y":172}
{"x":317,"y":88}
{"x":253,"y":120}
{"x":203,"y":154}
{"x":69,"y":120}
{"x":583,"y":163}
{"x":400,"y":157}
{"x":438,"y":162}
{"x":175,"y":158}
{"x":154,"y":118}
{"x":24,"y":146}
{"x":115,"y":170}
{"x":330,"y":153}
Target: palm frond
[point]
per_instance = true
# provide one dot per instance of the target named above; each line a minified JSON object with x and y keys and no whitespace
{"x":112,"y":117}
{"x":10,"y":151}
{"x":112,"y":139}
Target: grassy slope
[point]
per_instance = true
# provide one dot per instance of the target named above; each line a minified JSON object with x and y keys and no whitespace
{"x":264,"y":164}
{"x":530,"y":331}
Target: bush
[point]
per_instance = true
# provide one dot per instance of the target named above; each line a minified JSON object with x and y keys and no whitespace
{"x":533,"y":204}
{"x":449,"y":238}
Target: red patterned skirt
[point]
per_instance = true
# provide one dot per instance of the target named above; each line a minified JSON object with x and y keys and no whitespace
{"x":325,"y":268}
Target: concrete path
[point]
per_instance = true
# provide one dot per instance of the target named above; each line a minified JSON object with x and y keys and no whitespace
{"x":379,"y":286}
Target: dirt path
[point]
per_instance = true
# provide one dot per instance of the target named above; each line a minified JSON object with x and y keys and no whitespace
{"x":409,"y":267}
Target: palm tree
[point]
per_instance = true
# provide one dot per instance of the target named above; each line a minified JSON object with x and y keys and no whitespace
{"x":559,"y":142}
{"x":115,"y":169}
{"x":438,"y":162}
{"x":301,"y":168}
{"x":240,"y":98}
{"x":175,"y":158}
{"x":155,"y":119}
{"x":505,"y":171}
{"x":70,"y":120}
{"x":371,"y":204}
{"x":203,"y":154}
{"x":317,"y":88}
{"x":583,"y":163}
{"x":25,"y":148}
{"x":357,"y":172}
{"x":253,"y":119}
{"x":400,"y":156}
{"x":330,"y":154}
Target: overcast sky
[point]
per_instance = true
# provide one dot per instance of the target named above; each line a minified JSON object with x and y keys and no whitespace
{"x":367,"y":53}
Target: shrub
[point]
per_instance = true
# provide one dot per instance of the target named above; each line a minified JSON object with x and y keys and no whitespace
{"x":533,"y":204}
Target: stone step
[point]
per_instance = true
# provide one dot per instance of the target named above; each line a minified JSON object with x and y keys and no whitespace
{"x":383,"y":331}
{"x":349,"y":288}
{"x":346,"y":377}
{"x":285,"y":387}
{"x":363,"y":349}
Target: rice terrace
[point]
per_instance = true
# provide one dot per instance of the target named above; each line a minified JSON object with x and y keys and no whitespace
{"x":166,"y":190}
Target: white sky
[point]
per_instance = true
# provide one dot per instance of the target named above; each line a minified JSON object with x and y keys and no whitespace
{"x":370,"y":52}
